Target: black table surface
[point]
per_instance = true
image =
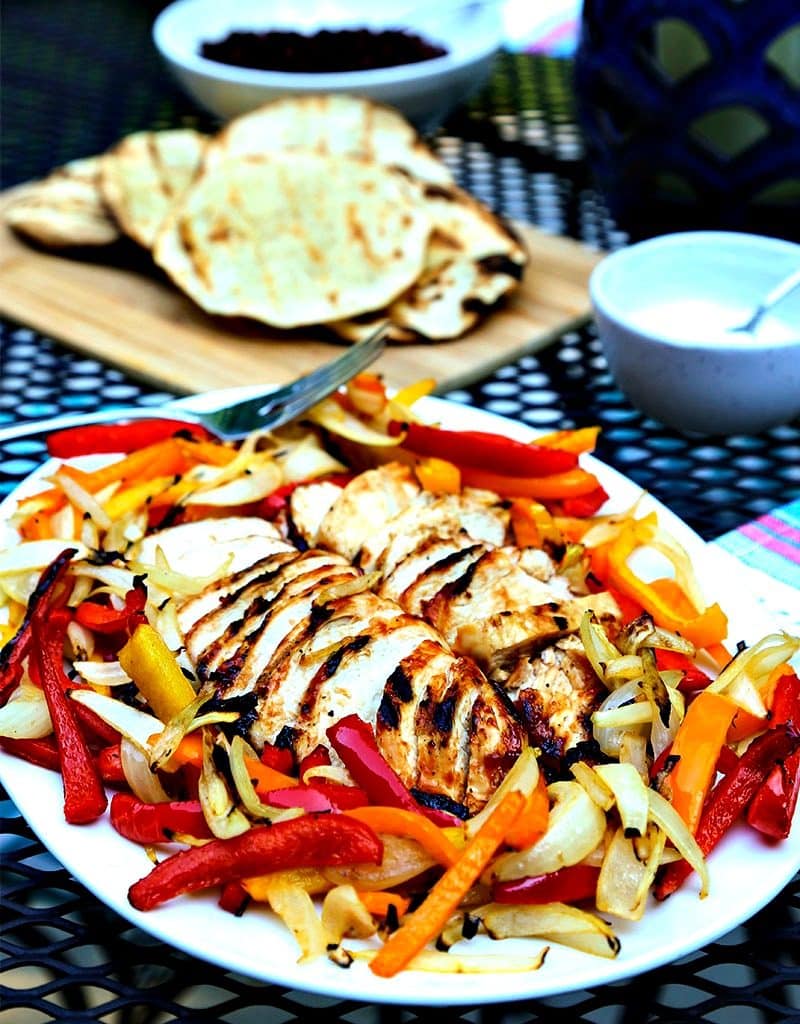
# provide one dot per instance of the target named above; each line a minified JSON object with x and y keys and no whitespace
{"x":76,"y":76}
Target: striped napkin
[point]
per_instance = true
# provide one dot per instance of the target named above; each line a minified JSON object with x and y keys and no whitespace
{"x":770,"y":547}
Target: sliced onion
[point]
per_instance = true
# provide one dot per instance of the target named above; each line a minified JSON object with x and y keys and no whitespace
{"x":102,"y":673}
{"x":296,"y":909}
{"x":598,"y":648}
{"x":629,"y":666}
{"x":555,"y":921}
{"x":82,"y":500}
{"x":343,"y":914}
{"x":621,"y":711}
{"x":223,"y":817}
{"x":758,"y":661}
{"x":308,"y":460}
{"x":117,"y":579}
{"x":245,"y":789}
{"x":165,"y":745}
{"x":576,"y":825}
{"x":81,"y":641}
{"x":25,"y":715}
{"x":633,"y":750}
{"x":625,"y":878}
{"x":630,"y":795}
{"x":328,"y":773}
{"x":403,"y":859}
{"x":253,"y":485}
{"x":669,"y":821}
{"x":330,"y":415}
{"x":63,"y":523}
{"x":136,"y":726}
{"x":136,"y":766}
{"x":593,"y":784}
{"x":522,"y":777}
{"x":36,"y":554}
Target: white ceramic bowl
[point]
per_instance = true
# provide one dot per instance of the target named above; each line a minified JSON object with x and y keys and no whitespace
{"x":664,"y":308}
{"x":425,"y":92}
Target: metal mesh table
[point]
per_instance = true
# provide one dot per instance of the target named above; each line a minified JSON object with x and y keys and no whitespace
{"x":78,"y":75}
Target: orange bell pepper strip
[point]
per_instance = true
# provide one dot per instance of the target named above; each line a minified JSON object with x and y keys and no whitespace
{"x":378,"y":903}
{"x":432,"y":915}
{"x":572,"y":483}
{"x":165,"y":458}
{"x":438,"y":475}
{"x":697,"y":745}
{"x":663,"y":598}
{"x":532,"y":823}
{"x":396,"y":821}
{"x":532,"y":524}
{"x":584,"y":439}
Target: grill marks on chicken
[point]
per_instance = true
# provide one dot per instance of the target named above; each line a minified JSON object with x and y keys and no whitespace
{"x":289,"y":630}
{"x":446,"y":559}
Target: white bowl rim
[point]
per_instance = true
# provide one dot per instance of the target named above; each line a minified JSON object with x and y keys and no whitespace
{"x":311,"y":81}
{"x":607,"y":304}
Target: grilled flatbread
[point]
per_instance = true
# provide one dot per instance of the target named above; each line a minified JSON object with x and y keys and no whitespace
{"x":331,"y":124}
{"x":64,"y":209}
{"x":145,"y":173}
{"x":473,"y":260}
{"x":295,"y":238}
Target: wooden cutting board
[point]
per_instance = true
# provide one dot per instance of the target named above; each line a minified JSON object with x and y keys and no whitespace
{"x":130,"y":316}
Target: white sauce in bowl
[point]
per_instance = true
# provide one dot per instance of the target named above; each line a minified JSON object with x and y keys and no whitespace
{"x":704,"y":320}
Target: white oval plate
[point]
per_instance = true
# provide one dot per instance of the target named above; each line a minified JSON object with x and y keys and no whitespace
{"x":746,"y":872}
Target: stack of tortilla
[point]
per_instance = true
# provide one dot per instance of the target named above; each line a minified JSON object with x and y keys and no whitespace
{"x":320,"y":210}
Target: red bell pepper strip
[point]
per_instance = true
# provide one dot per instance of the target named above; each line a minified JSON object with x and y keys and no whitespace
{"x":774,"y":804}
{"x":95,"y":730}
{"x":318,"y":758}
{"x":103,"y":618}
{"x":572,"y":884}
{"x":483,"y":450}
{"x":234,"y":898}
{"x":109,"y":764}
{"x":279,"y":758}
{"x":41,"y":600}
{"x":693,"y":678}
{"x":42,"y":752}
{"x":84,"y":796}
{"x":581,"y":506}
{"x":728,"y":800}
{"x":353,"y":739}
{"x":325,"y":840}
{"x":319,"y":796}
{"x":157,"y":823}
{"x":97,"y":438}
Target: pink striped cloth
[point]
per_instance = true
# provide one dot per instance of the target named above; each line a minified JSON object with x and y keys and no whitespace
{"x":770,"y":543}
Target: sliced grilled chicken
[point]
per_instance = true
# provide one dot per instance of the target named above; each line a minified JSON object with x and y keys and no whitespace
{"x":203,"y":548}
{"x":497,"y":642}
{"x":293,"y":631}
{"x":556,"y":691}
{"x":368,"y":502}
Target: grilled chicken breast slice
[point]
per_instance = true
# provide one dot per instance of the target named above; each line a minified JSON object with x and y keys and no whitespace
{"x":556,"y":692}
{"x":203,"y":548}
{"x":367,"y":502}
{"x":423,"y":573}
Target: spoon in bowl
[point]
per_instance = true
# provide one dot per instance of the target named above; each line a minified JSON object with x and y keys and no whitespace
{"x":780,"y":291}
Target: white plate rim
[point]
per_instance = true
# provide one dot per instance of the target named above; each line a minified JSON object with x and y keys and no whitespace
{"x":258,"y":946}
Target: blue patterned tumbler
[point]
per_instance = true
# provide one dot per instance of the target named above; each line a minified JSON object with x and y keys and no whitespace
{"x":691,"y":112}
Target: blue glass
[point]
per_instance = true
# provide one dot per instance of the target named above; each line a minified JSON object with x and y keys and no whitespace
{"x":691,"y":112}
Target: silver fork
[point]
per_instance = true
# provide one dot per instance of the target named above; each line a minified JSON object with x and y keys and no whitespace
{"x":261,"y":412}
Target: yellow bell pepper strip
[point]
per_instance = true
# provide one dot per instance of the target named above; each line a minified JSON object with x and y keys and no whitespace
{"x":412,"y":393}
{"x":432,"y":915}
{"x":128,"y":499}
{"x":532,"y":823}
{"x":573,"y":483}
{"x":578,"y":441}
{"x":532,"y":524}
{"x":697,"y":746}
{"x":438,"y":475}
{"x":396,"y":821}
{"x":663,"y":598}
{"x":153,"y":667}
{"x":379,"y":903}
